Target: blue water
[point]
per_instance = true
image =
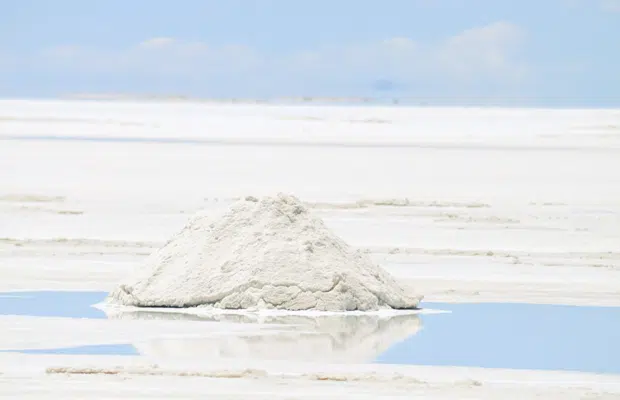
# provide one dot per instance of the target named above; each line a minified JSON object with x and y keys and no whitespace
{"x":61,"y":304}
{"x":97,"y":349}
{"x":518,"y":336}
{"x":501,"y":335}
{"x":52,"y":304}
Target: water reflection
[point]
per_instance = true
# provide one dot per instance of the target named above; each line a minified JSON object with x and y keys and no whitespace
{"x":525,"y":336}
{"x":97,"y":349}
{"x":325,"y":338}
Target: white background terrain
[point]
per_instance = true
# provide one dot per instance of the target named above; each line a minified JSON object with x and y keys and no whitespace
{"x":464,"y":204}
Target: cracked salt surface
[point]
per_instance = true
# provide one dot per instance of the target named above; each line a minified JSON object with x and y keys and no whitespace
{"x":268,"y":253}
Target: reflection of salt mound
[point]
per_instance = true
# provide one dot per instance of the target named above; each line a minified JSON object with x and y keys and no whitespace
{"x":261,"y":254}
{"x":324,"y":339}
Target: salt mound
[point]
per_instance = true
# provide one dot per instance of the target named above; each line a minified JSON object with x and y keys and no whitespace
{"x":262,"y":254}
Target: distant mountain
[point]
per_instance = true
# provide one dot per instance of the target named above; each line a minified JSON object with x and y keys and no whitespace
{"x":385,"y":85}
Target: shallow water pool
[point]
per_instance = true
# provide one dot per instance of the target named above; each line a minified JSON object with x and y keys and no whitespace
{"x":96,"y":349}
{"x":52,"y":304}
{"x":491,"y":335}
{"x":518,"y":336}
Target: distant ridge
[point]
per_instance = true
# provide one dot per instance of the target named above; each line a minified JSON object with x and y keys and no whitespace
{"x":476,"y":101}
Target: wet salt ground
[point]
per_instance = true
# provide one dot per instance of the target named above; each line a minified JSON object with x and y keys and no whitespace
{"x":491,"y":335}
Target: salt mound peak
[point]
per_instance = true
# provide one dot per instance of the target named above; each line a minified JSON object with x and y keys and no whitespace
{"x":268,"y":253}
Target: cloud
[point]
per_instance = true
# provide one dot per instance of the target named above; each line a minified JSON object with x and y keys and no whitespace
{"x":157,"y":43}
{"x":611,"y":5}
{"x":153,"y":57}
{"x":483,"y":53}
{"x":604,"y":5}
{"x":477,"y":56}
{"x":492,"y":49}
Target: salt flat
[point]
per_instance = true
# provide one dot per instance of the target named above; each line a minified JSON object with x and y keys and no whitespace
{"x":472,"y":205}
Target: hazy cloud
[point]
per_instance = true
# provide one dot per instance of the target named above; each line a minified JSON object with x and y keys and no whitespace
{"x":611,"y":5}
{"x":157,"y":43}
{"x":605,"y":5}
{"x":492,"y":49}
{"x":489,"y":52}
{"x":479,"y":55}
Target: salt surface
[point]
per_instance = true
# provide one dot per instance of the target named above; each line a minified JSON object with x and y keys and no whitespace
{"x":270,"y":253}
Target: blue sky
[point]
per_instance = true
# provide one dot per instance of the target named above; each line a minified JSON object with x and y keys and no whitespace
{"x":549,"y":51}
